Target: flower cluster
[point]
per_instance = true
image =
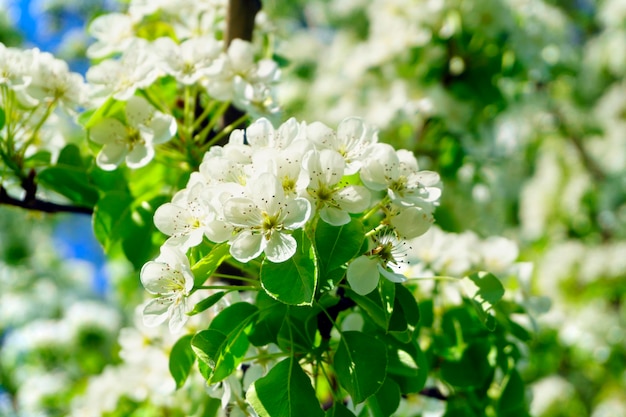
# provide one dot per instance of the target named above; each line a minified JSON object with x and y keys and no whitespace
{"x":205,"y":74}
{"x":255,"y":191}
{"x":32,"y":85}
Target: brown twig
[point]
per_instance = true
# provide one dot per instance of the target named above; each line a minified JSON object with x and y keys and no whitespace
{"x":31,"y":202}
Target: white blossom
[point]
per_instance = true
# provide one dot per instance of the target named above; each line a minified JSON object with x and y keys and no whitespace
{"x":169,"y":277}
{"x":133,"y":142}
{"x":334,"y":201}
{"x":263,"y":220}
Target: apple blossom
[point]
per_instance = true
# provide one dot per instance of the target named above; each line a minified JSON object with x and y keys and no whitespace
{"x":133,"y":142}
{"x":169,"y":277}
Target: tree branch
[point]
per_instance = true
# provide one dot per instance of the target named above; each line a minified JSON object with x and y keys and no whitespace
{"x":239,"y":25}
{"x":31,"y":202}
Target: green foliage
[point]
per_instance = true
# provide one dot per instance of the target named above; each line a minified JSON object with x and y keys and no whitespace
{"x":285,"y":391}
{"x":223,"y":345}
{"x":295,"y":280}
{"x":361,"y":364}
{"x":182,"y":359}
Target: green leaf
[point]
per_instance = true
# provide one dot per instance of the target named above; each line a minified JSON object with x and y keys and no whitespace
{"x":285,"y":391}
{"x":90,"y":118}
{"x":271,"y":317}
{"x":473,"y":370}
{"x":512,"y":401}
{"x":224,"y":344}
{"x":71,"y":183}
{"x":409,"y":305}
{"x":386,"y":401}
{"x":336,"y":245}
{"x":70,"y":157}
{"x":136,"y":239}
{"x":112,"y":218}
{"x":207,"y":303}
{"x":378,"y":305}
{"x":182,"y":359}
{"x":485,"y":290}
{"x":206,"y":266}
{"x":338,"y":410}
{"x":407,"y":366}
{"x":39,"y":158}
{"x":297,"y":332}
{"x":2,"y":118}
{"x":361,"y":364}
{"x":294,"y":281}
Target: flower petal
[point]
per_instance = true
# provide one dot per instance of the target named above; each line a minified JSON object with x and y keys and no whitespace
{"x":155,"y":312}
{"x":111,"y":156}
{"x":363,"y":275}
{"x":391,"y":276}
{"x":280,"y":247}
{"x":247,"y":246}
{"x":334,"y":216}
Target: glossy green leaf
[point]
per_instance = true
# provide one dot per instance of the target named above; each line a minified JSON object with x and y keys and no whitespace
{"x":407,"y":365}
{"x":224,"y":344}
{"x":409,"y":305}
{"x":294,"y":281}
{"x":336,"y":245}
{"x":472,"y":370}
{"x":206,"y":266}
{"x":512,"y":401}
{"x":386,"y":400}
{"x":378,"y":305}
{"x":361,"y":364}
{"x":297,"y":334}
{"x":285,"y":391}
{"x":91,"y":118}
{"x":338,"y":410}
{"x":112,"y":218}
{"x":72,"y":183}
{"x":270,"y":319}
{"x":136,"y":239}
{"x":181,"y":360}
{"x":207,"y":303}
{"x":484,"y":290}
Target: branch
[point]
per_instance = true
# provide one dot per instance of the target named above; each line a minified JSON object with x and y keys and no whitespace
{"x":240,"y":19}
{"x":433,"y":392}
{"x":239,"y":25}
{"x":40,"y":205}
{"x":31,"y":202}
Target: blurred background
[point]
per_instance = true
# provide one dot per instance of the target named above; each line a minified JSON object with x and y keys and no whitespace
{"x":520,"y":105}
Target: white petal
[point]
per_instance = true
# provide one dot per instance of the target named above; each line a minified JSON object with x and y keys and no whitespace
{"x":247,"y":246}
{"x":153,"y":278}
{"x":280,"y":247}
{"x":363,"y":275}
{"x":296,"y":213}
{"x":178,"y":316}
{"x":155,"y":312}
{"x":353,"y":198}
{"x":242,"y":212}
{"x":108,"y":131}
{"x":139,"y":156}
{"x":321,"y":135}
{"x":260,"y":133}
{"x":170,"y":218}
{"x":334,"y":216}
{"x":412,"y":222}
{"x":163,"y":127}
{"x":111,"y":156}
{"x":391,"y":276}
{"x":138,"y":111}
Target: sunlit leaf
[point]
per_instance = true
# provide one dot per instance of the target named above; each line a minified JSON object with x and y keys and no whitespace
{"x":361,"y":364}
{"x":285,"y":391}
